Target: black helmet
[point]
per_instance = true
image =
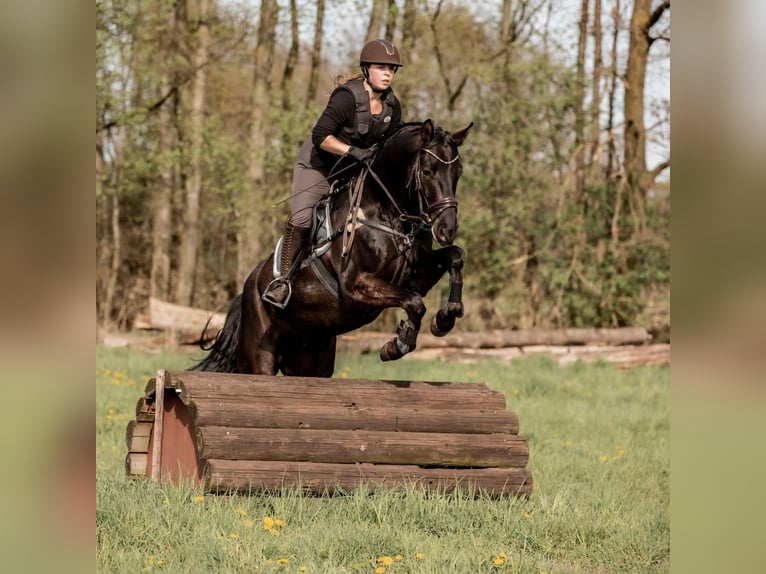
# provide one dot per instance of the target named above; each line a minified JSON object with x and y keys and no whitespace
{"x":380,"y":52}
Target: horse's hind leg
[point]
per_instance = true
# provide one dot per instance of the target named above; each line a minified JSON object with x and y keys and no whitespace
{"x":256,"y":351}
{"x":314,"y":360}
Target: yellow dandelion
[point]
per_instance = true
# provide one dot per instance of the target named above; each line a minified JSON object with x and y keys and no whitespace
{"x":151,"y":559}
{"x":279,"y":523}
{"x":268,"y":523}
{"x":516,"y":392}
{"x":233,"y":535}
{"x":198,"y":499}
{"x":420,"y":556}
{"x":526,"y":514}
{"x":160,"y":562}
{"x":502,"y":555}
{"x":302,"y":569}
{"x":249,"y":523}
{"x":398,"y":558}
{"x":274,"y":531}
{"x":240,"y":512}
{"x":603,"y":458}
{"x":380,"y":570}
{"x":386,"y":560}
{"x":498,"y":562}
{"x":282,"y":561}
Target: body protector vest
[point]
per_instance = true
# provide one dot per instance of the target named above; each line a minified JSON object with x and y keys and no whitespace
{"x":367,"y":129}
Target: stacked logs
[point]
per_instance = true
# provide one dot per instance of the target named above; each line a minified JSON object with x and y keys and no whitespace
{"x":250,"y":433}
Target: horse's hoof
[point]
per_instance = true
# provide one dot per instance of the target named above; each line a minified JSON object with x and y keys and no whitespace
{"x":390,"y":351}
{"x":441,"y":331}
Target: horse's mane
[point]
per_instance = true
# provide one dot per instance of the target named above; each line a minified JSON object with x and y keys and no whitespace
{"x":438,"y":134}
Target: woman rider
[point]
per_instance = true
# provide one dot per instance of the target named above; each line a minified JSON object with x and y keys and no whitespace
{"x":360,"y":113}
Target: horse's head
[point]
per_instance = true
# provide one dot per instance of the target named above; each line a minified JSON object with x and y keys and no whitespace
{"x":434,"y":174}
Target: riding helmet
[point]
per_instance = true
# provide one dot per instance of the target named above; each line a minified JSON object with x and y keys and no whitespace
{"x":380,"y":52}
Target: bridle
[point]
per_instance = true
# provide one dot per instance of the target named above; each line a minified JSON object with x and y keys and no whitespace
{"x":429,"y":212}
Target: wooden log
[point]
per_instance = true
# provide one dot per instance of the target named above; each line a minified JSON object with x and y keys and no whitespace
{"x":136,"y":464}
{"x":164,"y":315}
{"x":308,"y":415}
{"x":253,"y":476}
{"x":289,"y":391}
{"x":371,"y":342}
{"x":137,"y":436}
{"x":340,"y":446}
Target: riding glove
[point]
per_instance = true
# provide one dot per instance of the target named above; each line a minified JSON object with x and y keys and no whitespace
{"x":359,"y":154}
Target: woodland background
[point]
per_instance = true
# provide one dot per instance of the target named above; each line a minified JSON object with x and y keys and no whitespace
{"x":202,"y":105}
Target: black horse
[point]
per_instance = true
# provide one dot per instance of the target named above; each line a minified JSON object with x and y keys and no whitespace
{"x":385,"y":259}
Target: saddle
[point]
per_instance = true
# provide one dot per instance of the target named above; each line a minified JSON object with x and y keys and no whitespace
{"x":321,"y":237}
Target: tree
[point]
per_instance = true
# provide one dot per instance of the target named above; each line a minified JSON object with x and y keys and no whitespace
{"x":641,"y":22}
{"x":190,"y":236}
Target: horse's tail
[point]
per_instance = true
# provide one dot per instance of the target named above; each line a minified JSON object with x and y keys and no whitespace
{"x":222,"y":356}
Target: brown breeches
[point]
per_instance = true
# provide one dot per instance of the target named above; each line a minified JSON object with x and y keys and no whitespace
{"x":309,"y":185}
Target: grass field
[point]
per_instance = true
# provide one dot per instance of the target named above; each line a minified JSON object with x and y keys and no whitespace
{"x":599,"y":453}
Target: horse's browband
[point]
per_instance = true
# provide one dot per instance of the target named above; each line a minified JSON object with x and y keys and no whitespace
{"x":453,"y":160}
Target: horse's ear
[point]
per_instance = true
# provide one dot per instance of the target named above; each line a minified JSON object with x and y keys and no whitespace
{"x":427,"y":131}
{"x":459,"y":137}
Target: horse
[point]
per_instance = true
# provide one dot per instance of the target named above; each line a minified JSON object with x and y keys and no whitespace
{"x":402,"y":201}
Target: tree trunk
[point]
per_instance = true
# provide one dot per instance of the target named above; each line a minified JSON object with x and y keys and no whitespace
{"x":115,"y":261}
{"x":159,"y":282}
{"x":190,"y":236}
{"x":391,"y":18}
{"x":376,"y":20}
{"x":579,"y":151}
{"x":292,"y":58}
{"x":595,"y":105}
{"x":613,"y":75}
{"x":641,"y":21}
{"x":250,"y":249}
{"x":407,"y":48}
{"x":316,"y":53}
{"x":635,"y":76}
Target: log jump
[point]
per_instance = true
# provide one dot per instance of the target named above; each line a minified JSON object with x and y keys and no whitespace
{"x":251,"y":433}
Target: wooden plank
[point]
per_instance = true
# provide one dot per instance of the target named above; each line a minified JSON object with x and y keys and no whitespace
{"x":156,"y":442}
{"x":337,"y":446}
{"x":179,"y":461}
{"x":272,"y":476}
{"x":239,"y":413}
{"x":286,"y":391}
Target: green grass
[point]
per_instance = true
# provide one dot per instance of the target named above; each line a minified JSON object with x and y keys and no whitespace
{"x":599,"y":454}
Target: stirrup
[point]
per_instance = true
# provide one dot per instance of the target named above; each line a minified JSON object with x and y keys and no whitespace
{"x":273,"y":283}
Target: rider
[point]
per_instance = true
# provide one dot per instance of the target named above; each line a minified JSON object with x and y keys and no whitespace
{"x":360,"y":112}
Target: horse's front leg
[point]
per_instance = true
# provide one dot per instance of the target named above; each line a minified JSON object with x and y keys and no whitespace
{"x":370,"y":291}
{"x":452,"y":259}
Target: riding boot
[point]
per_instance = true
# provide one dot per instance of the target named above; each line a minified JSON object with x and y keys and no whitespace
{"x":278,"y":292}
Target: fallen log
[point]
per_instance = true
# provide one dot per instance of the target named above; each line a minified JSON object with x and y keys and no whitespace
{"x":371,"y":342}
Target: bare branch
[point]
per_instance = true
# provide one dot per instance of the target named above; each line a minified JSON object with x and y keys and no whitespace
{"x":659,"y":169}
{"x":657,"y":14}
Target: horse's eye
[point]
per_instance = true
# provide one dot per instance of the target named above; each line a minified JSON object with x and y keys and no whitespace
{"x":427,"y":172}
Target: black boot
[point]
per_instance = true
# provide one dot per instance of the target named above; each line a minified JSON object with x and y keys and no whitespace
{"x":278,"y":292}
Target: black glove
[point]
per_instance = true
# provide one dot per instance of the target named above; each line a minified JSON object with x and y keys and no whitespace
{"x":359,"y":154}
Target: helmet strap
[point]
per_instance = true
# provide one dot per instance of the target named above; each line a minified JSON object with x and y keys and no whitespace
{"x":366,"y":73}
